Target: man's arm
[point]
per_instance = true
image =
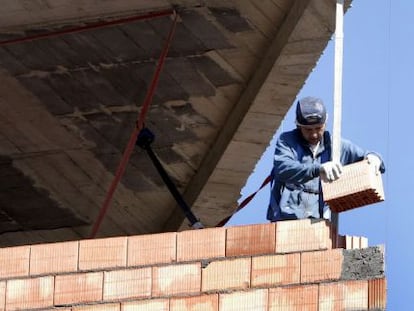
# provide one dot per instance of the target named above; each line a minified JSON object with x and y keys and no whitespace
{"x":351,"y":153}
{"x":288,"y":168}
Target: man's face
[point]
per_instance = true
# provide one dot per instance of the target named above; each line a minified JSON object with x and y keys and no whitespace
{"x":312,"y":133}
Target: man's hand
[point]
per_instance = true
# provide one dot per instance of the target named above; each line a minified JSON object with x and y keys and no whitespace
{"x":375,"y":161}
{"x":330,"y":171}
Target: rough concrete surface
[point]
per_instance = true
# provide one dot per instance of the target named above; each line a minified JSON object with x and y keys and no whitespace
{"x":365,"y":263}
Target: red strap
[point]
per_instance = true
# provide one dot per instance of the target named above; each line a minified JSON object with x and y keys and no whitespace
{"x":140,"y":123}
{"x":245,"y":201}
{"x":87,"y":27}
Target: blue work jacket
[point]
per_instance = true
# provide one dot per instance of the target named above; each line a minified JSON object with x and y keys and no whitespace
{"x":296,"y":188}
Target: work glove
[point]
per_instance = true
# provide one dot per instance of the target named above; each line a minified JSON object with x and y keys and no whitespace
{"x":330,"y":171}
{"x":375,"y":161}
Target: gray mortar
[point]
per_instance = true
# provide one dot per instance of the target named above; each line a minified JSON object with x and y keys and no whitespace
{"x":362,"y":264}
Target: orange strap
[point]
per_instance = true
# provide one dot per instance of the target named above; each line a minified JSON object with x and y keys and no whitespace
{"x":140,"y":124}
{"x":245,"y":201}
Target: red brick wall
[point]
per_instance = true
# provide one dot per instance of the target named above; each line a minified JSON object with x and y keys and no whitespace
{"x":280,"y":266}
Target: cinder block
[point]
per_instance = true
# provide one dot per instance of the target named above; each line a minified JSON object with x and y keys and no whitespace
{"x":196,"y":303}
{"x":14,"y":261}
{"x":275,"y":270}
{"x":54,"y":258}
{"x":377,"y":294}
{"x":201,"y":244}
{"x":146,"y":305}
{"x":251,"y":240}
{"x":302,"y":235}
{"x":321,"y":266}
{"x":358,"y":186}
{"x":23,"y":294}
{"x":226,"y":274}
{"x":152,"y":249}
{"x":78,"y":288}
{"x":339,"y":296}
{"x":102,"y":253}
{"x":131,"y":283}
{"x":294,"y":298}
{"x":253,"y":300}
{"x":176,"y":279}
{"x":99,"y":307}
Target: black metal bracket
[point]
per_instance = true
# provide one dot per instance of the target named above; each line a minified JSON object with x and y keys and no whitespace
{"x":144,"y":140}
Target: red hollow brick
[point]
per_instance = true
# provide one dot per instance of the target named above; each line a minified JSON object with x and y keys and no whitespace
{"x":131,"y":283}
{"x":349,"y":295}
{"x":146,"y":305}
{"x":253,"y":300}
{"x":54,"y":258}
{"x":196,"y":303}
{"x":201,"y":244}
{"x":152,"y":249}
{"x":99,"y":307}
{"x":14,"y":261}
{"x":377,"y":294}
{"x":78,"y":288}
{"x":275,"y":270}
{"x":2,"y":295}
{"x":321,"y":265}
{"x":176,"y":279}
{"x":302,"y":235}
{"x":355,"y":242}
{"x":29,"y":293}
{"x":102,"y":253}
{"x":250,"y":240}
{"x":304,"y":298}
{"x":358,"y":186}
{"x":226,"y":274}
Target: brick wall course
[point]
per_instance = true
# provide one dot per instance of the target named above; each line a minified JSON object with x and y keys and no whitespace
{"x":164,"y":248}
{"x":229,"y":276}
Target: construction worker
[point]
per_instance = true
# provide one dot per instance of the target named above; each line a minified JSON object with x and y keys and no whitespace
{"x":302,"y":157}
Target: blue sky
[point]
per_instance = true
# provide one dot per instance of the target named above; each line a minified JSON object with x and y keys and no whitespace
{"x":378,"y":75}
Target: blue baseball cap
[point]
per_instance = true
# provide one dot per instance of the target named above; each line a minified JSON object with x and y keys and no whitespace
{"x":310,"y":111}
